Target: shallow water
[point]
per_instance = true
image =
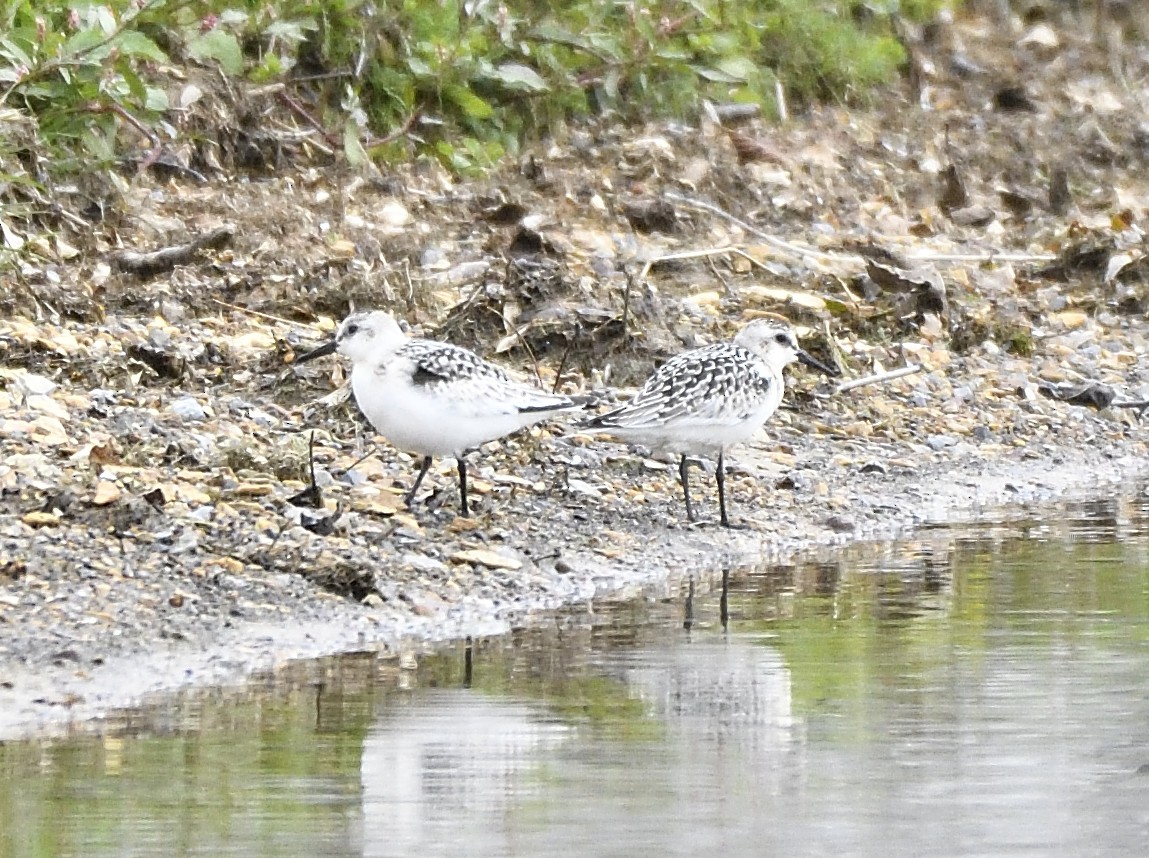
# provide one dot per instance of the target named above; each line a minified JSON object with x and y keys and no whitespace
{"x":977,"y":691}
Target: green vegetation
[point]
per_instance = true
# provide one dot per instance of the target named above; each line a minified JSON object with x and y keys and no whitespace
{"x":83,"y":84}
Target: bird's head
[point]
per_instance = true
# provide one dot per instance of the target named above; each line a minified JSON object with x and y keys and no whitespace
{"x":361,"y":337}
{"x":774,"y":340}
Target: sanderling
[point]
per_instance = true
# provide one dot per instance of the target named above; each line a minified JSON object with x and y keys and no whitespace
{"x":432,"y":398}
{"x":703,"y":401}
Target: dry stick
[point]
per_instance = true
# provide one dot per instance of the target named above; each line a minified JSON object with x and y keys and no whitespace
{"x":166,"y":258}
{"x":400,"y":131}
{"x":851,"y":258}
{"x":626,"y":303}
{"x":778,"y":243}
{"x":982,"y":257}
{"x":892,"y":374}
{"x":695,"y":254}
{"x":563,"y":362}
{"x":303,"y":113}
{"x":157,"y":144}
{"x":260,"y":315}
{"x":714,"y":270}
{"x":361,"y":459}
{"x":1130,"y":403}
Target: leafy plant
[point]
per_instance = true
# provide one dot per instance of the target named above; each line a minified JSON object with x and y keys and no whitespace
{"x":463,"y":80}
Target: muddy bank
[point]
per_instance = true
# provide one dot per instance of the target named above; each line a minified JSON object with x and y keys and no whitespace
{"x":45,"y":689}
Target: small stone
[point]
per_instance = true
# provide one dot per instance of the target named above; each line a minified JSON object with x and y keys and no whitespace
{"x":423,"y":563}
{"x":254,"y":490}
{"x":31,"y":384}
{"x":187,"y":408}
{"x":106,"y":492}
{"x":940,"y":442}
{"x":582,"y":487}
{"x":840,"y":524}
{"x":49,"y":431}
{"x":48,"y":406}
{"x":40,"y":519}
{"x":342,"y":248}
{"x":393,"y":214}
{"x":490,"y":559}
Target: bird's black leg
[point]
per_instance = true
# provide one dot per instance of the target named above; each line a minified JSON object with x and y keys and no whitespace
{"x":463,"y":484}
{"x":410,"y":499}
{"x":683,"y":467}
{"x":720,"y":475}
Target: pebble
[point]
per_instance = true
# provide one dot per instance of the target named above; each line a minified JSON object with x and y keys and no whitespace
{"x":940,"y":442}
{"x":422,"y":562}
{"x":188,"y":409}
{"x":484,"y":557}
{"x":30,"y":384}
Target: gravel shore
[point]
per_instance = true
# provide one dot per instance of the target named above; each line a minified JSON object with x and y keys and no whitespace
{"x":193,"y":578}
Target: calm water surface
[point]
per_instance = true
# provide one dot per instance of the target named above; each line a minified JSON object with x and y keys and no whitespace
{"x":981,"y":691}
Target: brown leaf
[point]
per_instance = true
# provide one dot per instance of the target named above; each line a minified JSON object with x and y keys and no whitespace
{"x":751,"y":149}
{"x":953,"y":194}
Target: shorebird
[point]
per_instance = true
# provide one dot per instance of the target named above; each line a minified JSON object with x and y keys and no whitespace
{"x":432,"y":398}
{"x":705,"y":400}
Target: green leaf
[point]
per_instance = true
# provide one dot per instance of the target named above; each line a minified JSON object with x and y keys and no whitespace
{"x":518,"y":77}
{"x":219,"y":46}
{"x":14,"y":52}
{"x":352,"y":146}
{"x":232,"y":18}
{"x":741,"y":68}
{"x":136,"y":44}
{"x":135,"y":86}
{"x":472,"y":106}
{"x":717,"y":76}
{"x":292,"y":31}
{"x":81,"y":42}
{"x":419,"y":67}
{"x":156,"y":99}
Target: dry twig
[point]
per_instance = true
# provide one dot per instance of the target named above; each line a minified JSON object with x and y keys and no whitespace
{"x":878,"y":378}
{"x":167,"y":258}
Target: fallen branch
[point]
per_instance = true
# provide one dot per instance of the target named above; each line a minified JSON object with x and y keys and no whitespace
{"x":696,"y":254}
{"x":851,"y":258}
{"x":982,"y":257}
{"x":1130,"y":403}
{"x":265,"y":316}
{"x":878,"y":378}
{"x":772,"y":241}
{"x":167,"y":258}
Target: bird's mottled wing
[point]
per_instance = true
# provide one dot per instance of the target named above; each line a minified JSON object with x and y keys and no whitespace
{"x":721,"y":384}
{"x":442,"y":363}
{"x":460,"y":376}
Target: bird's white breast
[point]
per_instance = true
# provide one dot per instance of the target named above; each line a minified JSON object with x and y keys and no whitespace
{"x":429,"y":420}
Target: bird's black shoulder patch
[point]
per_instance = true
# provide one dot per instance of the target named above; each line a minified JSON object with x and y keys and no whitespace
{"x":423,"y":376}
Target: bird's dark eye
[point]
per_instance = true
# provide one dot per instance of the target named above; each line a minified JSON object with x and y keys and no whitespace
{"x":782,"y":339}
{"x":351,"y":330}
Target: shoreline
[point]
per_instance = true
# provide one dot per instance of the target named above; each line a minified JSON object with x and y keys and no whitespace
{"x":44,"y":700}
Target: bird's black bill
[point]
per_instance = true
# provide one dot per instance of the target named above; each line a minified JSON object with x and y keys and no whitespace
{"x":807,"y":359}
{"x":327,"y":348}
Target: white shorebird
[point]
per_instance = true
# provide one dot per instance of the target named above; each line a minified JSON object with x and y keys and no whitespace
{"x":432,"y":398}
{"x":704,"y":401}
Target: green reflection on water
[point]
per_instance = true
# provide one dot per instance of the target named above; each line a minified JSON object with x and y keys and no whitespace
{"x":275,"y":768}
